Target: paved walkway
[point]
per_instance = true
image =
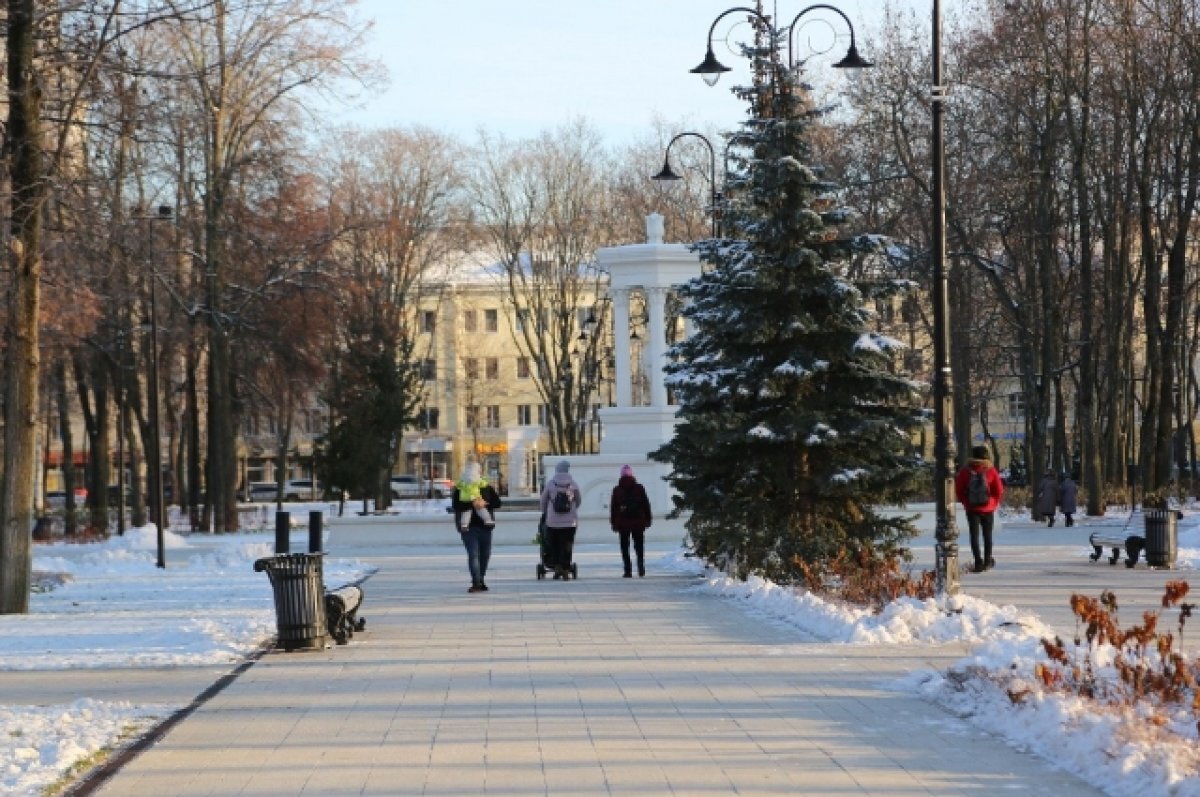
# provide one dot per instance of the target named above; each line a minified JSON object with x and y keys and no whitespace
{"x":602,"y":686}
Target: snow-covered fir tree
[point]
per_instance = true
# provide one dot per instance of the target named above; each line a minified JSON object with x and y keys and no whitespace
{"x":792,"y":430}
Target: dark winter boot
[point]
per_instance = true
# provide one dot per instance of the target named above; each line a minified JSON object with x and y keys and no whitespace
{"x":641,"y":569}
{"x":979,"y":566}
{"x":628,"y":573}
{"x":1070,"y":521}
{"x":1050,"y":522}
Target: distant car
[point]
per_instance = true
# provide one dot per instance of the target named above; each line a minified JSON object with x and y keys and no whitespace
{"x":262,"y":491}
{"x":302,"y":490}
{"x":408,"y":486}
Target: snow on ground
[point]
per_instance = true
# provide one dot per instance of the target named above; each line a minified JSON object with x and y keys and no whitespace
{"x":117,"y":609}
{"x":114,"y":607}
{"x":1124,"y":752}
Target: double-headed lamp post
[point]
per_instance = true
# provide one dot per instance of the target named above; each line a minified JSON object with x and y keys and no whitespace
{"x":711,"y":69}
{"x":667,"y":173}
{"x":946,"y":533}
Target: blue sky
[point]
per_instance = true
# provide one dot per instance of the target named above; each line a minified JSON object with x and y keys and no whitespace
{"x":523,"y":66}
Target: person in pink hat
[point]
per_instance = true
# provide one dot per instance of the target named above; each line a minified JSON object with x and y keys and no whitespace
{"x":629,"y":515}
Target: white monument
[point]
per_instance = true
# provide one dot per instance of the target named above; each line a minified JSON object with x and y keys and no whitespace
{"x":631,"y":432}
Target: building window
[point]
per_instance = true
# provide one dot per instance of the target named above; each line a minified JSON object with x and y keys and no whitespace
{"x":522,"y":368}
{"x":430,"y":415}
{"x":493,"y":416}
{"x":470,"y":321}
{"x":429,"y":369}
{"x":493,"y":367}
{"x":428,"y":322}
{"x":543,"y":414}
{"x":491,"y":320}
{"x":473,"y":417}
{"x":1016,"y":406}
{"x":471,"y":366}
{"x":522,"y":318}
{"x":524,"y":415}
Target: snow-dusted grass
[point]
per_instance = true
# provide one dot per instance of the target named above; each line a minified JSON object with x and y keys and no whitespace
{"x":113,"y":607}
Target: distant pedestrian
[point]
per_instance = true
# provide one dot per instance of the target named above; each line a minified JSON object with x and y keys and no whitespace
{"x":979,"y":488}
{"x":1045,"y":502}
{"x":1068,"y":495}
{"x":560,"y":502}
{"x":629,"y":515}
{"x":477,"y":534}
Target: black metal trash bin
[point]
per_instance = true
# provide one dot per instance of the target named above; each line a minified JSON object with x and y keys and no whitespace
{"x":298,"y":580}
{"x":1162,"y":537}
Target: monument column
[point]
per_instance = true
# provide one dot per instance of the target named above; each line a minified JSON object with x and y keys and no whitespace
{"x":656,"y":300}
{"x":621,"y":348}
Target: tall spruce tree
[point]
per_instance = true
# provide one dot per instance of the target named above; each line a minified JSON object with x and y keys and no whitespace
{"x":792,"y":430}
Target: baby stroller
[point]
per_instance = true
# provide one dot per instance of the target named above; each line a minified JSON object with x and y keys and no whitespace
{"x":545,"y":566}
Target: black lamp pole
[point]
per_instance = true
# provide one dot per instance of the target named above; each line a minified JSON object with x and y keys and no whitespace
{"x":946,"y":532}
{"x":667,"y":173}
{"x":156,"y":480}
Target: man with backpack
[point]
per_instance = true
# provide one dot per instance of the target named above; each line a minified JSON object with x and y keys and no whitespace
{"x":560,"y":503}
{"x":629,"y":516}
{"x":979,"y":489}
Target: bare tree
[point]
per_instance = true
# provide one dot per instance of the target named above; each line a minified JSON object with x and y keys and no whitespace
{"x":247,"y":65}
{"x":395,"y":199}
{"x":543,"y":208}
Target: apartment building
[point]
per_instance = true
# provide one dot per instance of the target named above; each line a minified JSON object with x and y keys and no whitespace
{"x":481,"y":397}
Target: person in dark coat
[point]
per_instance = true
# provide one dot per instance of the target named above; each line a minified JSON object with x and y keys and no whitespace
{"x":981,"y":518}
{"x":477,"y":536}
{"x":1068,"y":497}
{"x":1045,"y":504}
{"x":629,"y":515}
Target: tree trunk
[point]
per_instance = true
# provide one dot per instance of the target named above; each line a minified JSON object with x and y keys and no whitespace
{"x":68,"y":447}
{"x":193,"y":436}
{"x":29,"y":190}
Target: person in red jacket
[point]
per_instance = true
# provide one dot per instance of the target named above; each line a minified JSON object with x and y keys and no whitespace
{"x":980,"y":504}
{"x":629,"y":515}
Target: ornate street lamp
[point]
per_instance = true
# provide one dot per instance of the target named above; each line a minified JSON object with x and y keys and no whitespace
{"x":668,"y":173}
{"x":710,"y":69}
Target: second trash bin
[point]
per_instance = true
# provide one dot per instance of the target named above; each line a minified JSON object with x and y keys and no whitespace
{"x":298,"y":582}
{"x":1162,"y":537}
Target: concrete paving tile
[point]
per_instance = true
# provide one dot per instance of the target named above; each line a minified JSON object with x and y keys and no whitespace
{"x":586,"y":688}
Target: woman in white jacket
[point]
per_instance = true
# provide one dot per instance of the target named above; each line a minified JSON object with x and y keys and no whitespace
{"x":560,"y":502}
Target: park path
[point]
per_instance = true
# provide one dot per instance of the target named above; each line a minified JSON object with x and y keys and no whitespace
{"x":594,"y":687}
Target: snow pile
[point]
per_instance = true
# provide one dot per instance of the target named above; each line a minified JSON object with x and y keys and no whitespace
{"x":40,"y":742}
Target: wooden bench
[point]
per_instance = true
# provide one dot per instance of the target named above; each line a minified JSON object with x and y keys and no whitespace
{"x":341,"y":612}
{"x":1132,"y":544}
